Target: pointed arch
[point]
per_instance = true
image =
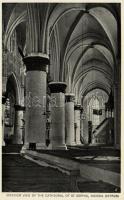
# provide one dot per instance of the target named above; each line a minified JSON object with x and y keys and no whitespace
{"x":13,"y":83}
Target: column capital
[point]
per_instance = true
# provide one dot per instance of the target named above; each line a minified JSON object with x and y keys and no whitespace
{"x":19,"y":108}
{"x":36,"y":61}
{"x":56,"y":87}
{"x":69,"y":97}
{"x":77,"y":107}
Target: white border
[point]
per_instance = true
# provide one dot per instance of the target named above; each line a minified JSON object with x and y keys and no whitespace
{"x":3,"y":196}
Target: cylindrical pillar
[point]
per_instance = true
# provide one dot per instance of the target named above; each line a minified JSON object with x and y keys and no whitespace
{"x":109,"y":113}
{"x":57,"y":134}
{"x":112,"y":113}
{"x":81,"y":124}
{"x":103,"y":114}
{"x":69,"y":119}
{"x":77,"y":123}
{"x":18,"y":136}
{"x":35,"y":115}
{"x":48,"y":123}
{"x":3,"y":118}
{"x":117,"y":117}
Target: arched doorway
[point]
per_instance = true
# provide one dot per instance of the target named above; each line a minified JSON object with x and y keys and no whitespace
{"x":9,"y":118}
{"x":13,"y":113}
{"x":97,"y":127}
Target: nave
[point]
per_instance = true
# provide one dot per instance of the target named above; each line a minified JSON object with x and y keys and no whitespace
{"x":61,"y":93}
{"x":42,"y":177}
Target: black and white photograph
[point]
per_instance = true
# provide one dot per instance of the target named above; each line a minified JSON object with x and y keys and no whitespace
{"x":61,"y":97}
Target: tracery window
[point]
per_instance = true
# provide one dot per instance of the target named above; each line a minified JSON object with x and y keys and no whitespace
{"x":94,"y":111}
{"x":9,"y":112}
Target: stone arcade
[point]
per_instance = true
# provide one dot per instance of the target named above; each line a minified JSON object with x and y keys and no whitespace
{"x":61,"y":75}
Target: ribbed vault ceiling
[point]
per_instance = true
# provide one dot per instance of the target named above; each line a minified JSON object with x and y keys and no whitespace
{"x":82,"y":40}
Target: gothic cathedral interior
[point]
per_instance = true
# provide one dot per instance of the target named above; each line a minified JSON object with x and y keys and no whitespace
{"x":61,"y":86}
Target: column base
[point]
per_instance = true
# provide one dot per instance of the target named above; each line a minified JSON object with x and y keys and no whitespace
{"x":24,"y":147}
{"x":117,"y":146}
{"x":40,"y":146}
{"x":57,"y":147}
{"x":78,"y":143}
{"x":97,"y":144}
{"x":71,"y":143}
{"x":17,"y":142}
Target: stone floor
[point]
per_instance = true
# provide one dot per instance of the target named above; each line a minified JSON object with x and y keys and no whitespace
{"x":22,"y":175}
{"x":106,"y":157}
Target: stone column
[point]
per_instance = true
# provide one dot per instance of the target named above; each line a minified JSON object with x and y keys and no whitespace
{"x":57,"y":134}
{"x":112,"y":113}
{"x":69,"y":119}
{"x":109,"y":113}
{"x":3,"y":118}
{"x":106,"y":110}
{"x":18,"y":125}
{"x":117,"y":116}
{"x":103,"y":114}
{"x":81,"y":122}
{"x":77,"y":123}
{"x":35,"y":115}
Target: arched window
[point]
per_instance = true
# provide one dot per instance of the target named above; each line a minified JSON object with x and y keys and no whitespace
{"x":10,"y":111}
{"x":94,"y":107}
